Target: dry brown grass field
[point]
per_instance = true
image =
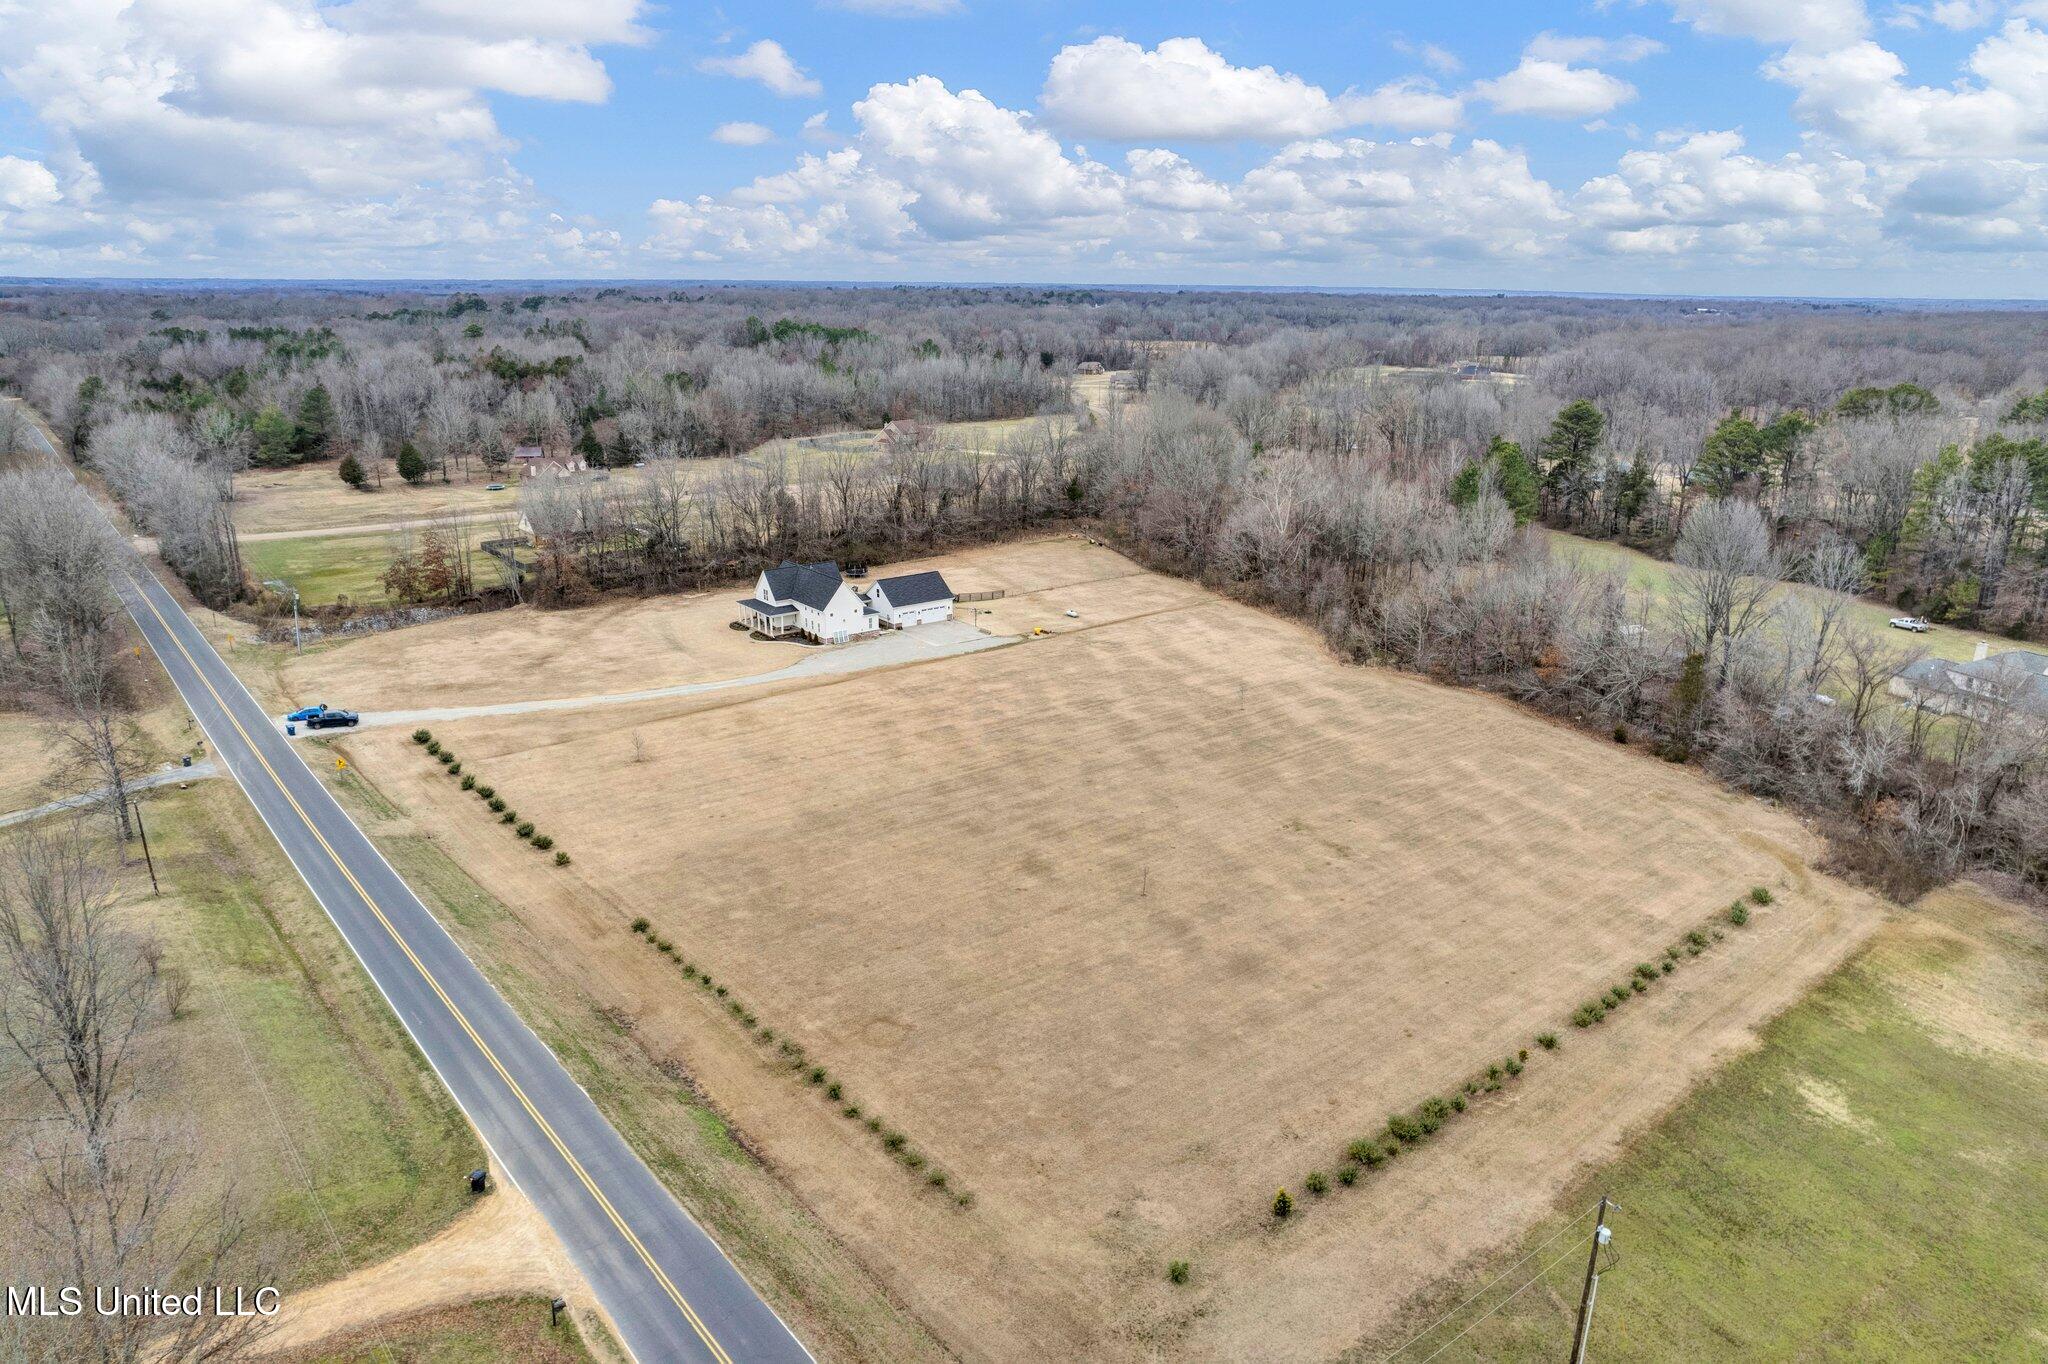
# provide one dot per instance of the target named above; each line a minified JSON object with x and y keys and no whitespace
{"x":1126,"y":928}
{"x":313,"y":497}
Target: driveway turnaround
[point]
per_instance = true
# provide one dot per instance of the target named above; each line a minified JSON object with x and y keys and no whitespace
{"x":665,"y":1284}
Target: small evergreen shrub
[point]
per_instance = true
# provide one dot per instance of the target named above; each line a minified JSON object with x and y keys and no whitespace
{"x":525,"y":830}
{"x":1404,"y":1127}
{"x":817,"y":1075}
{"x":1621,"y":734}
{"x":1457,"y":1103}
{"x":444,"y":757}
{"x":1645,"y":971}
{"x":832,"y":1090}
{"x":1760,"y":895}
{"x":433,"y":746}
{"x":420,"y":736}
{"x":1512,"y":1065}
{"x":1283,"y":1204}
{"x":1738,"y":914}
{"x":1638,"y":986}
{"x":508,"y":817}
{"x":497,"y":803}
{"x":562,"y":859}
{"x":543,"y":841}
{"x":1348,"y":1175}
{"x":1667,"y":966}
{"x":454,"y":769}
{"x":1696,"y":938}
{"x":1317,"y":1183}
{"x":1178,"y":1271}
{"x":1362,"y":1151}
{"x":1547,"y":1041}
{"x":1589,"y":1013}
{"x":468,"y":783}
{"x":850,"y":1111}
{"x":937,"y":1179}
{"x":640,"y":924}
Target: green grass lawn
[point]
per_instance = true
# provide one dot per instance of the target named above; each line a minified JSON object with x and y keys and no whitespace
{"x":1872,"y":1184}
{"x":1656,"y":577}
{"x":306,"y":1093}
{"x":324,"y":568}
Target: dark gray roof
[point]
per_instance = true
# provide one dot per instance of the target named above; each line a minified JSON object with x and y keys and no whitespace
{"x":811,"y":584}
{"x":914,"y":589}
{"x":2016,"y":676}
{"x":756,"y":604}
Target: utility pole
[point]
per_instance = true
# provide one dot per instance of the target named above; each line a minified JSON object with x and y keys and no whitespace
{"x":154,"y":889}
{"x":1601,"y":1236}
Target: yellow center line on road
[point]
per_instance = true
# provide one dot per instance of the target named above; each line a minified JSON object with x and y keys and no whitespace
{"x":696,"y":1323}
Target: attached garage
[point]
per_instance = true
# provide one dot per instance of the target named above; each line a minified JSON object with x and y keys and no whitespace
{"x":912,"y":599}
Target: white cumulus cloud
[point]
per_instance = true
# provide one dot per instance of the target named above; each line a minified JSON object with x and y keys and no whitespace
{"x":1548,"y":88}
{"x":1185,"y":90}
{"x":743,"y":134}
{"x":766,"y":62}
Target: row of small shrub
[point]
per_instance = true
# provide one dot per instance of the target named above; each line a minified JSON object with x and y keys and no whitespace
{"x":1422,"y":1122}
{"x":489,"y":795}
{"x":1413,"y":1127}
{"x":1647,"y":973}
{"x":790,"y":1055}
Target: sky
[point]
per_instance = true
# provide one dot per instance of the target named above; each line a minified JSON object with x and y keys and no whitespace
{"x":1854,"y":148}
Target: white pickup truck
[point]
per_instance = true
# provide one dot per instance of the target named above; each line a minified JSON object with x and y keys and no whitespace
{"x":1917,"y":624}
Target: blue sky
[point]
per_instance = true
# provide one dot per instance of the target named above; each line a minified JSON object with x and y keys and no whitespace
{"x":1832,"y":147}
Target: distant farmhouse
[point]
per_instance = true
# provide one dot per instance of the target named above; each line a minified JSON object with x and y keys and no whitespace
{"x":816,"y":601}
{"x":2016,"y":679}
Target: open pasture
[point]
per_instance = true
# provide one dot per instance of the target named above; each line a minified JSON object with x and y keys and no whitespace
{"x":1129,"y":926}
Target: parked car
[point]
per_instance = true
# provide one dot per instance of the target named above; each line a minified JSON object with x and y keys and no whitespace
{"x":334,"y":719}
{"x":1917,"y":624}
{"x":494,"y":487}
{"x":306,"y":713}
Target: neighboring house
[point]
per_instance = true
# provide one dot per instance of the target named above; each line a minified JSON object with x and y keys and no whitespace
{"x":906,"y":435}
{"x":1473,"y":369}
{"x":913,"y":599}
{"x":532,"y":459}
{"x":2017,"y":679}
{"x":1089,"y":367}
{"x":816,"y":601}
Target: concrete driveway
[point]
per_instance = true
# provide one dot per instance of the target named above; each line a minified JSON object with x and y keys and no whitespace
{"x":919,"y":644}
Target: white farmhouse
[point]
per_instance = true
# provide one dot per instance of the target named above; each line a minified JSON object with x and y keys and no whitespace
{"x":814,"y":601}
{"x":912,"y":599}
{"x":810,"y":600}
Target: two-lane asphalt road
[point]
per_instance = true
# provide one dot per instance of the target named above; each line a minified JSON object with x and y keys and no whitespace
{"x":671,"y":1292}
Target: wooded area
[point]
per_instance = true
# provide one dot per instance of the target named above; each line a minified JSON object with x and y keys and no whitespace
{"x":1370,"y":463}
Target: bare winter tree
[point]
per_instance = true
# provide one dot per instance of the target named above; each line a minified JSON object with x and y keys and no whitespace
{"x":76,"y":991}
{"x":1727,"y":578}
{"x":1834,"y":570}
{"x":121,"y":1212}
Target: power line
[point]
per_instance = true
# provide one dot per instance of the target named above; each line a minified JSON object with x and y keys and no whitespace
{"x":1484,"y":1289}
{"x":1569,"y":1251}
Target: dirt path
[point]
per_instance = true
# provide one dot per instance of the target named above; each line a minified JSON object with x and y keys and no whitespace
{"x":373,"y":527}
{"x":500,"y":1247}
{"x":164,"y":777}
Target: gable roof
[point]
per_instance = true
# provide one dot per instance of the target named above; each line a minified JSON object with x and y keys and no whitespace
{"x":914,"y":589}
{"x":2016,"y":675}
{"x":813,"y":585}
